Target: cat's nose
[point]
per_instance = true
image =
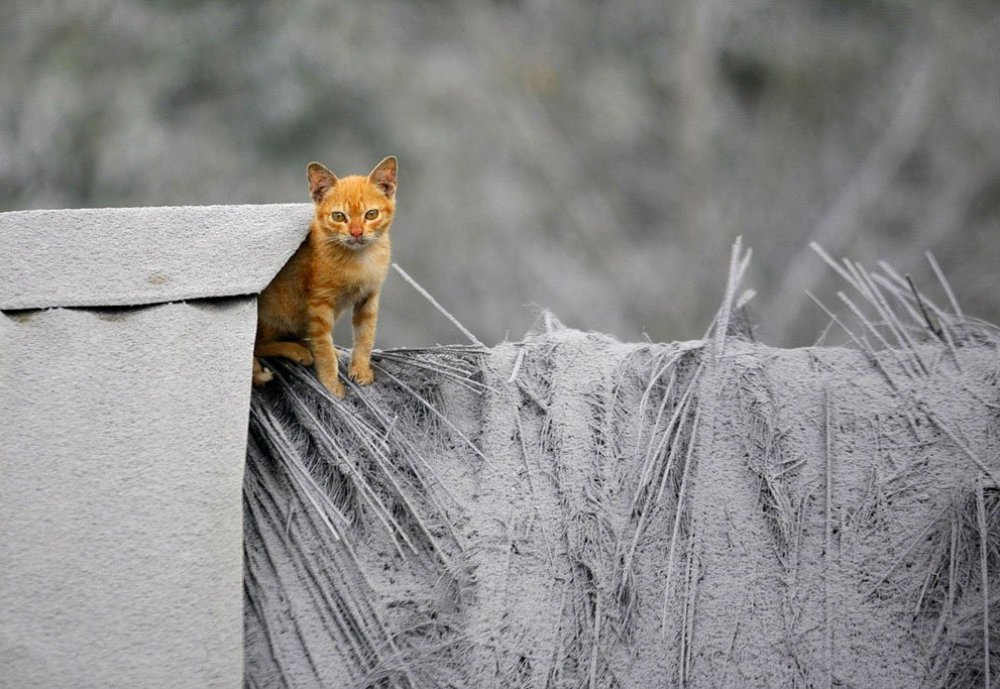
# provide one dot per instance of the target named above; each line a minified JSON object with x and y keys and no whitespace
{"x":356,"y":232}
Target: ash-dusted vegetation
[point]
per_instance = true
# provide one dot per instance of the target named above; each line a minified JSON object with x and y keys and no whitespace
{"x":569,"y":510}
{"x":568,"y":154}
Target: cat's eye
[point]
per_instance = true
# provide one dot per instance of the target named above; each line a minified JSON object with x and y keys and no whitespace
{"x":338,"y":216}
{"x":372,"y":214}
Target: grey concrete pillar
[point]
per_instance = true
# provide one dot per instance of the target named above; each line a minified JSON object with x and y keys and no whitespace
{"x":123,"y":438}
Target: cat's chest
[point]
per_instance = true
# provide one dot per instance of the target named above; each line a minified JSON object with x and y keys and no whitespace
{"x":345,"y":283}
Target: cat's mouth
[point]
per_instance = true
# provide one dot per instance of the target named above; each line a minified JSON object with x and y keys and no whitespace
{"x":353,"y":242}
{"x":357,"y":242}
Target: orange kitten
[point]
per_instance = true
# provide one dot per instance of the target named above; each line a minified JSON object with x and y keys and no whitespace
{"x":342,"y":264}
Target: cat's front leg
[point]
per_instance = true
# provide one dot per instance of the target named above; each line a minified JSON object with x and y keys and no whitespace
{"x":364,"y":320}
{"x":321,"y":318}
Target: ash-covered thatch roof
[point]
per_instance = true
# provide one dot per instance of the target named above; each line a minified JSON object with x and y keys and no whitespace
{"x":570,"y":511}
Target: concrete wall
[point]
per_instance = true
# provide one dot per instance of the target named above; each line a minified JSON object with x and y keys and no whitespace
{"x":120,"y":497}
{"x":129,"y":256}
{"x":123,"y":440}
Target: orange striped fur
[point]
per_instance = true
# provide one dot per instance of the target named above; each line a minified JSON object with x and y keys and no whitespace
{"x":342,"y":264}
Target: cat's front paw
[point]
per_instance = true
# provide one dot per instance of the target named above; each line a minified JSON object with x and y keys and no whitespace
{"x":362,"y":375}
{"x":333,"y":384}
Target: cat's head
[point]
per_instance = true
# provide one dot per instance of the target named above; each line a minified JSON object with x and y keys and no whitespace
{"x":356,"y":211}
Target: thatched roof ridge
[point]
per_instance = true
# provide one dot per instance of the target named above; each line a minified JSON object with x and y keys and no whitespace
{"x":570,"y":510}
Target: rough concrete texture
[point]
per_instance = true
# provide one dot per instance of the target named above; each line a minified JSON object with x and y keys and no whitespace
{"x":572,"y":511}
{"x":123,"y":438}
{"x":128,"y":256}
{"x":122,"y":441}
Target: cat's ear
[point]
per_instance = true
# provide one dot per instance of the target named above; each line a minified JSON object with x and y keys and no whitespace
{"x":384,"y":176}
{"x":320,"y":181}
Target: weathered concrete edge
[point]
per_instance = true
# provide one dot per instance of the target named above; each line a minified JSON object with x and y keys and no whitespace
{"x":134,"y":256}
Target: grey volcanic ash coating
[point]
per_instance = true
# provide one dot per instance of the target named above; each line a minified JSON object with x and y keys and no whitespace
{"x":573,"y":511}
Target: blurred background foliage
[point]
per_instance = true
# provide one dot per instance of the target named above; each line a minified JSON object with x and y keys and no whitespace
{"x":593,"y":157}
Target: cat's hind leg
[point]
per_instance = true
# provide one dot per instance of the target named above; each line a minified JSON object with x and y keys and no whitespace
{"x":296,"y":351}
{"x":261,"y":375}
